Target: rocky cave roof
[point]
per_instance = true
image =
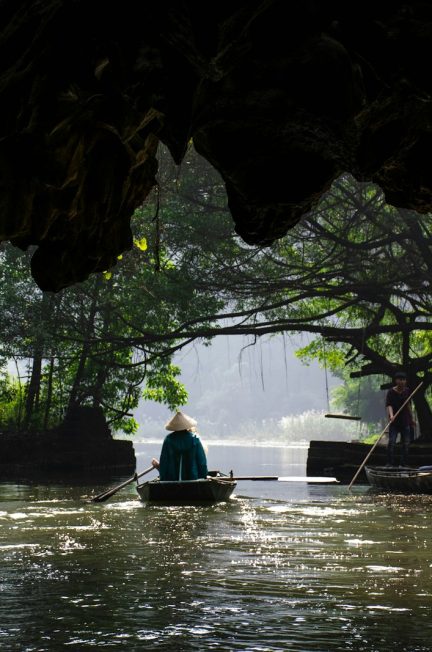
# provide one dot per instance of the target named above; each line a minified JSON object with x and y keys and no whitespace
{"x":280,"y":97}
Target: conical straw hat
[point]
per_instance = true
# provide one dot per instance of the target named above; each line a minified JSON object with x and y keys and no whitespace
{"x":180,"y":422}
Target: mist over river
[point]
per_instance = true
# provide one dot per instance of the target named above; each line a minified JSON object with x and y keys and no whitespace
{"x":281,"y":566}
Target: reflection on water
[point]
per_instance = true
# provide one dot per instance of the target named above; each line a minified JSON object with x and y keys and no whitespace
{"x":279,"y":567}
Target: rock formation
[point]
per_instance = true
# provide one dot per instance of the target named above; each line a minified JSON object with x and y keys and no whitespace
{"x":82,"y":445}
{"x":280,"y":97}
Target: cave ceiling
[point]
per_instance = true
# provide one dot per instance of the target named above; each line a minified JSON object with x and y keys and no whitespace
{"x":280,"y":97}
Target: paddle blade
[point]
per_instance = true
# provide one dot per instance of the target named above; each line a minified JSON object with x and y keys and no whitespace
{"x":100,"y":498}
{"x":107,"y":494}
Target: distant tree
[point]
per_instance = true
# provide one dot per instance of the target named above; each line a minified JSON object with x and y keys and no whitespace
{"x":361,"y":397}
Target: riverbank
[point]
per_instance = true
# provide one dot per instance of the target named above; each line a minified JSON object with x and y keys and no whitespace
{"x":82,"y":446}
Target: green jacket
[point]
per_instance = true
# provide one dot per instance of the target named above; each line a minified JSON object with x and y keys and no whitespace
{"x":182,"y":457}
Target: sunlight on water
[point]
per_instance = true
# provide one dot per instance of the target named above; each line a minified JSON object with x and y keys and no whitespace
{"x":279,"y":567}
{"x":18,"y":545}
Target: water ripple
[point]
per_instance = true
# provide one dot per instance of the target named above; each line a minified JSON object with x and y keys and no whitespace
{"x":317,"y":571}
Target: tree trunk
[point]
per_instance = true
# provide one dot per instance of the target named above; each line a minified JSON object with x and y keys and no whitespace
{"x":424,"y":414}
{"x":101,"y":377}
{"x":49,"y":394}
{"x":33,"y":388}
{"x":21,"y":396}
{"x":103,"y":366}
{"x":79,"y":376}
{"x":34,"y":385}
{"x":73,"y":396}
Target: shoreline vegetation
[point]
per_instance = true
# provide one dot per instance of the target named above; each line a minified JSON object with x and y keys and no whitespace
{"x":236,"y":442}
{"x":286,"y":431}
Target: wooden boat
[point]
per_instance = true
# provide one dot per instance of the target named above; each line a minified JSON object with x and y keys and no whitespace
{"x":400,"y":479}
{"x":187,"y":492}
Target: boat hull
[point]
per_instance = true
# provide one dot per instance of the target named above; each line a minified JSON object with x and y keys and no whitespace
{"x":399,"y":480}
{"x":187,"y":492}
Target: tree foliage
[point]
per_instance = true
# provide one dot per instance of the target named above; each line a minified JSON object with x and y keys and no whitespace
{"x":76,"y":347}
{"x":355,"y":274}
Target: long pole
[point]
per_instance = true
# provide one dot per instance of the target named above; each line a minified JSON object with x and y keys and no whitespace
{"x":382,"y":433}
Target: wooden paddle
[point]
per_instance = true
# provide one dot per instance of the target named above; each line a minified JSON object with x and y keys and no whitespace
{"x":381,"y":434}
{"x":100,"y":498}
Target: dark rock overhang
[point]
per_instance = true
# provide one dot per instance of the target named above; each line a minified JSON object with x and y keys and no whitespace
{"x":281,"y":97}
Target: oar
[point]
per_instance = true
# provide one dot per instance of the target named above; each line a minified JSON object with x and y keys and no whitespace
{"x":100,"y":498}
{"x":288,"y":478}
{"x":381,"y":434}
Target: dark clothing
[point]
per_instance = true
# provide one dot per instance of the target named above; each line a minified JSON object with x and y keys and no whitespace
{"x":396,"y":400}
{"x":405,"y":433}
{"x":182,"y":457}
{"x":402,"y":424}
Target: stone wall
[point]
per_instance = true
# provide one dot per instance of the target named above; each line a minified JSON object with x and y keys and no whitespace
{"x":82,"y":445}
{"x":44,"y":454}
{"x":342,"y":460}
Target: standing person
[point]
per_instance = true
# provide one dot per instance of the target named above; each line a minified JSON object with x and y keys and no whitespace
{"x":396,"y":396}
{"x":182,"y":455}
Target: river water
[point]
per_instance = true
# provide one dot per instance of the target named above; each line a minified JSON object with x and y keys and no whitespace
{"x":281,"y":566}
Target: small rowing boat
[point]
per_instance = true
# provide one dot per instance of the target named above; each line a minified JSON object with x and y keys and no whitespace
{"x":187,"y":492}
{"x":217,"y":487}
{"x":400,"y":479}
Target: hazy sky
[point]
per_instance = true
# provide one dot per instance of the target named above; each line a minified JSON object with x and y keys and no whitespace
{"x":230,"y":382}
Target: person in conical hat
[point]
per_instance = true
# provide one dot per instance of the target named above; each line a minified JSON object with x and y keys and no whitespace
{"x":180,"y":421}
{"x":182,"y":455}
